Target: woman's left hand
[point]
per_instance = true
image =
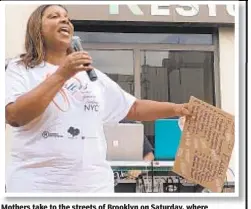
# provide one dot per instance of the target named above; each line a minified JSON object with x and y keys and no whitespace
{"x":182,"y":110}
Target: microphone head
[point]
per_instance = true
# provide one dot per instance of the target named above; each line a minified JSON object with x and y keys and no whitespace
{"x":76,"y":43}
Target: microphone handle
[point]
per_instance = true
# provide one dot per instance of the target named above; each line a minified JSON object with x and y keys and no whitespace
{"x":92,"y":75}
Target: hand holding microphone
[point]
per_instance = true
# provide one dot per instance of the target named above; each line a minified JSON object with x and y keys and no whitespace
{"x":77,"y":46}
{"x":76,"y":62}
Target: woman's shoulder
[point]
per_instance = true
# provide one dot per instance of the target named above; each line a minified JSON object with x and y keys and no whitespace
{"x":99,"y":73}
{"x":14,"y":64}
{"x":103,"y":76}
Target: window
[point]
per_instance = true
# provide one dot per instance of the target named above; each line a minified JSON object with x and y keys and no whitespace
{"x":174,"y":76}
{"x":117,"y":64}
{"x":145,"y":38}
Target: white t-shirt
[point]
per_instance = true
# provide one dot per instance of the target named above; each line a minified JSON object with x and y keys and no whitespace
{"x":64,"y":149}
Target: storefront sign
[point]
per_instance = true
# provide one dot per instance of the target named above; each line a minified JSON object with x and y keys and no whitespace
{"x":188,"y":10}
{"x":155,"y":13}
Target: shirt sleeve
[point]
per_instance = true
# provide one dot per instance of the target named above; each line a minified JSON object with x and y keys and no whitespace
{"x":117,"y":101}
{"x":15,"y":82}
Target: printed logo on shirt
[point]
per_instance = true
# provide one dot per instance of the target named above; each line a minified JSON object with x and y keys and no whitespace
{"x":91,"y":106}
{"x":73,"y":131}
{"x":79,"y":91}
{"x":47,"y":134}
{"x":76,"y":88}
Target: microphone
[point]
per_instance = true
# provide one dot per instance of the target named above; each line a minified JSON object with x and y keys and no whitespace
{"x":77,"y":46}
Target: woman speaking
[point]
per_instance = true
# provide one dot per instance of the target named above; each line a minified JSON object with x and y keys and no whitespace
{"x":57,"y":113}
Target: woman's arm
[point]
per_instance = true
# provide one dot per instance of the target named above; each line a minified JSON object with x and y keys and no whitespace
{"x":32,"y":104}
{"x":148,"y":110}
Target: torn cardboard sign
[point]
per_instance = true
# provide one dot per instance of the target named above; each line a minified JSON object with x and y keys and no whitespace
{"x":206,"y":146}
